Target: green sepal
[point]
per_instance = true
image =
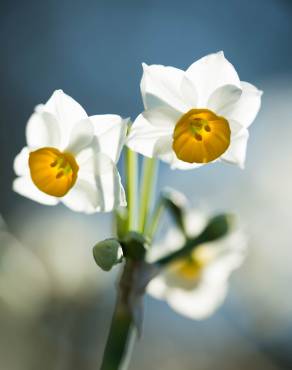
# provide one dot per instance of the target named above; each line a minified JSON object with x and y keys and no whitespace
{"x":134,"y":245}
{"x":175,"y":202}
{"x":218,"y":227}
{"x":107,"y":253}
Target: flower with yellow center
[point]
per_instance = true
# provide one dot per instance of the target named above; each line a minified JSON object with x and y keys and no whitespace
{"x":71,"y":158}
{"x":196,"y":116}
{"x":195,"y":286}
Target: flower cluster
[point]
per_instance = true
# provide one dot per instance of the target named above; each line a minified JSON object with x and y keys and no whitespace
{"x":191,"y":118}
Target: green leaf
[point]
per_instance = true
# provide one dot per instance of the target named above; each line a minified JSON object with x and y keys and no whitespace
{"x":134,"y":245}
{"x":107,"y":253}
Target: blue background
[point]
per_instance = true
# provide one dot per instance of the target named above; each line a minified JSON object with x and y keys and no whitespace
{"x":93,"y":50}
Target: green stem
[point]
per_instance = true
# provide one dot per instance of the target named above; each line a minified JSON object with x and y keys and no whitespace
{"x":153,"y":223}
{"x":119,"y":338}
{"x":131,"y":167}
{"x":122,"y":332}
{"x":147,"y":190}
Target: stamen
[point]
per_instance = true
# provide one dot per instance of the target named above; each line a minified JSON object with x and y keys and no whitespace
{"x":60,"y":174}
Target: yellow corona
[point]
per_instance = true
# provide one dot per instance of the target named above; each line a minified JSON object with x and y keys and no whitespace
{"x":200,"y":136}
{"x":52,"y":171}
{"x":190,"y":268}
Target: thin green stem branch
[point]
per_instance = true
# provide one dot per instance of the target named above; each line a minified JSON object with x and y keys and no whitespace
{"x":148,"y":182}
{"x":155,"y":218}
{"x":131,"y":169}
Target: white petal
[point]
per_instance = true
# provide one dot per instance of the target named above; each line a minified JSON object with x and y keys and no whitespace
{"x":20,"y":164}
{"x":160,"y":85}
{"x":209,"y":73}
{"x":199,"y":303}
{"x":82,"y":197}
{"x":236,"y":152}
{"x":86,"y":161}
{"x":173,"y":241}
{"x":194,"y":222}
{"x":66,"y":111}
{"x":235,"y":128}
{"x":231,"y":253}
{"x":145,"y":137}
{"x":157,"y":288}
{"x":163,"y":149}
{"x":223,"y":98}
{"x":222,"y":267}
{"x":42,"y":130}
{"x":110,"y":131}
{"x":164,"y":116}
{"x":81,"y":136}
{"x":110,"y":190}
{"x":25,"y":187}
{"x":177,"y":164}
{"x":247,"y":107}
{"x":100,"y":171}
{"x":189,"y":93}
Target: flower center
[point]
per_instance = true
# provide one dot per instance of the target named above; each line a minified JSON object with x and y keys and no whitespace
{"x":52,"y":171}
{"x":192,"y":267}
{"x":200,"y":136}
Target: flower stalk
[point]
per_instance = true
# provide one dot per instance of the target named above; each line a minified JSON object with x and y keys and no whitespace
{"x":122,"y":331}
{"x":155,"y":218}
{"x":131,"y":169}
{"x":147,"y":190}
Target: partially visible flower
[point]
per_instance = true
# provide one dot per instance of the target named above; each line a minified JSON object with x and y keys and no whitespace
{"x":195,"y":116}
{"x":195,"y":286}
{"x":71,"y":158}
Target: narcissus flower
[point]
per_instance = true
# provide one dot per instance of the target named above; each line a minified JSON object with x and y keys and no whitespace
{"x":195,"y":286}
{"x":71,"y":158}
{"x":195,"y":116}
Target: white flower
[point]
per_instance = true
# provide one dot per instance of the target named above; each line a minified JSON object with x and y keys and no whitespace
{"x":71,"y":158}
{"x":195,"y":116}
{"x":196,"y":286}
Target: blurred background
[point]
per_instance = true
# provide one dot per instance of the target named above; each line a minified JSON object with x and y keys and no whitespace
{"x":55,"y":304}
